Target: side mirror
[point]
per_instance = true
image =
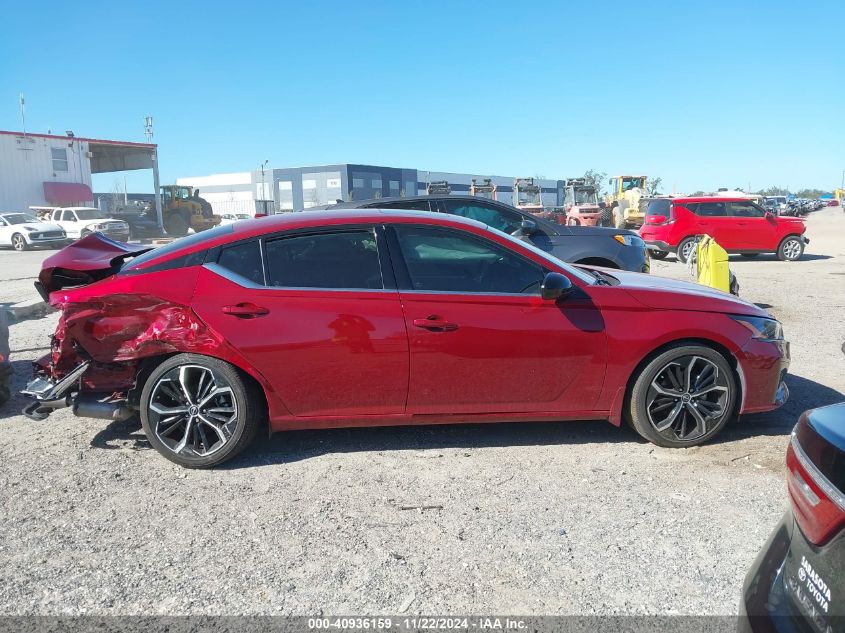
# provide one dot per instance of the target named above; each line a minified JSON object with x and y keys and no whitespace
{"x":528,"y":227}
{"x":555,"y":286}
{"x":769,"y":215}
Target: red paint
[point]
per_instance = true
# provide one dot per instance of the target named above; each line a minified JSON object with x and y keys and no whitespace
{"x":328,"y":358}
{"x":61,"y":192}
{"x":734,"y":234}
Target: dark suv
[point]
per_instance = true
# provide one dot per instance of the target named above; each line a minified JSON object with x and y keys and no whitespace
{"x":587,"y":245}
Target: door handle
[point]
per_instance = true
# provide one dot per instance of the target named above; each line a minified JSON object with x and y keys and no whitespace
{"x":435,"y":323}
{"x":245,"y":310}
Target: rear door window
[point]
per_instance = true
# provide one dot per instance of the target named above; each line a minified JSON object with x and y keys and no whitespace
{"x":709,"y":209}
{"x":346,"y":260}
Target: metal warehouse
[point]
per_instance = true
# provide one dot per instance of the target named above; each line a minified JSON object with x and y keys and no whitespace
{"x":52,"y":170}
{"x":297,"y":188}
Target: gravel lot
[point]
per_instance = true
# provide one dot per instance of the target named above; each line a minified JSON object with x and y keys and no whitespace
{"x":570,"y":518}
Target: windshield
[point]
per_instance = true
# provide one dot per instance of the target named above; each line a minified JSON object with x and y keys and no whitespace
{"x":18,"y":218}
{"x":585,"y":196}
{"x":90,"y":214}
{"x":575,"y":272}
{"x":629,"y":182}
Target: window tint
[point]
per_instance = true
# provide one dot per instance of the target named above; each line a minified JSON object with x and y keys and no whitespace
{"x":505,"y":221}
{"x":708,"y":209}
{"x":659,"y":206}
{"x":68,"y":216}
{"x":245,"y":260}
{"x":182,"y":242}
{"x":745,"y":210}
{"x":411,"y":205}
{"x":344,"y":260}
{"x":450,"y":261}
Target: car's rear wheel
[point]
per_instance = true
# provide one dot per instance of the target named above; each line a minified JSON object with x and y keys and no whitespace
{"x":658,"y":254}
{"x":19,"y":242}
{"x":199,"y":411}
{"x":683,"y":397}
{"x":685,"y":250}
{"x":790,"y":249}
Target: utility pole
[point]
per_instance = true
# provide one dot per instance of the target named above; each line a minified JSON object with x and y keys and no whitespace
{"x":23,"y":113}
{"x":263,"y":187}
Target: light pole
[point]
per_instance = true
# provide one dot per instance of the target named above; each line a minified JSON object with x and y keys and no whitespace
{"x":842,"y":186}
{"x":263,"y":186}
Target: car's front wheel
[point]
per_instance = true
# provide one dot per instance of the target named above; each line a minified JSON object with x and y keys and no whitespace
{"x":19,"y":242}
{"x":791,"y":249}
{"x":683,"y":397}
{"x":199,"y":411}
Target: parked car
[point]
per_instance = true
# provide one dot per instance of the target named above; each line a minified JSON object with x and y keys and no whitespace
{"x":21,"y":231}
{"x":81,"y":221}
{"x":228,"y":218}
{"x":737,"y":224}
{"x":588,"y":245}
{"x":384,"y":317}
{"x":143,"y":223}
{"x":797,"y":582}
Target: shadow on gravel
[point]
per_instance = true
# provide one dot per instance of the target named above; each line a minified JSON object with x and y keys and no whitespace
{"x":803,"y":394}
{"x":122,"y":435}
{"x":292,"y":446}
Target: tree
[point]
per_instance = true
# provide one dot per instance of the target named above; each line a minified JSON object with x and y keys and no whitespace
{"x":774,"y":191}
{"x":810,"y":193}
{"x":653,"y":185}
{"x":597,"y":179}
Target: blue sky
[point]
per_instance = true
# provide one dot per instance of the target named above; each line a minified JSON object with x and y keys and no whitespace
{"x":703,"y":94}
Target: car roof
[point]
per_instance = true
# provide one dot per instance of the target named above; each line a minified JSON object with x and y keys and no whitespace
{"x":711,"y":199}
{"x":356,"y":204}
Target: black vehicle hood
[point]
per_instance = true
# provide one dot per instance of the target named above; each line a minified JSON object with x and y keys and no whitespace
{"x":592,"y":231}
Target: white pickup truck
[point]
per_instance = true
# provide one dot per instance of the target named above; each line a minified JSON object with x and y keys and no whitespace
{"x":81,"y":221}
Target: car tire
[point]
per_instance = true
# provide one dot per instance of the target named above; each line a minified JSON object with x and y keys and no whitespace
{"x":19,"y":242}
{"x":790,"y":249}
{"x":658,"y":254}
{"x":683,"y":251}
{"x":750,"y":255}
{"x":177,"y":418}
{"x":663,"y":407}
{"x":84,"y":233}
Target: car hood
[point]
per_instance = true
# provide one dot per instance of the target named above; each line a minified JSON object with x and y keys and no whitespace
{"x":592,"y":231}
{"x":90,"y":259}
{"x":670,"y":294}
{"x":40,"y":226}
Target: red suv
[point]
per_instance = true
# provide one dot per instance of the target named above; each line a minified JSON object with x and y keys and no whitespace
{"x":737,"y":224}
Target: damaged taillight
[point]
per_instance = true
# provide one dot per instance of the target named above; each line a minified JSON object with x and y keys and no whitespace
{"x":818,"y":505}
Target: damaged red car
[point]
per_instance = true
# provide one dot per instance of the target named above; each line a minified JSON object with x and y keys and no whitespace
{"x":372,"y":317}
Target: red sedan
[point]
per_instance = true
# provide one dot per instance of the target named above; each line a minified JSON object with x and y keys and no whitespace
{"x":368,"y":317}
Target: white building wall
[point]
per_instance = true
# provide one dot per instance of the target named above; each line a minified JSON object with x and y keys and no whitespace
{"x":26,"y":163}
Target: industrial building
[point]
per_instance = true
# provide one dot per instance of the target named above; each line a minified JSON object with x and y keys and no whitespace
{"x":39,"y":170}
{"x":298,"y":188}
